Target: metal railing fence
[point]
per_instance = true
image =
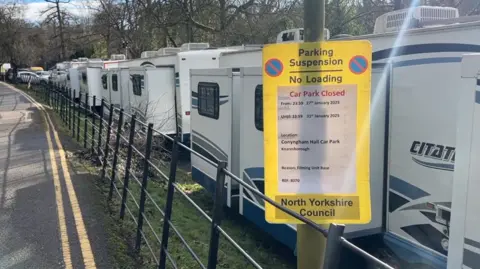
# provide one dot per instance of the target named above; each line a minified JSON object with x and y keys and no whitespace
{"x":114,"y":136}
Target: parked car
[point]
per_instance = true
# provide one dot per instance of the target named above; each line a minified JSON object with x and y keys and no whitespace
{"x":27,"y":76}
{"x":44,"y":75}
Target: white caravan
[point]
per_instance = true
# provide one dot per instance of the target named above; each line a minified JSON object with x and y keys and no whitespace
{"x":152,"y":97}
{"x":117,"y":83}
{"x":182,"y":63}
{"x":106,"y":87}
{"x":464,"y":247}
{"x":73,"y":80}
{"x":421,"y":132}
{"x":91,"y":83}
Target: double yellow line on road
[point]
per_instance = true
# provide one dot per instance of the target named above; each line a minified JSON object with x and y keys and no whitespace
{"x":85,"y":246}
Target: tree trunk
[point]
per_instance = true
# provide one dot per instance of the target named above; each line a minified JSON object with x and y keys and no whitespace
{"x":60,"y":26}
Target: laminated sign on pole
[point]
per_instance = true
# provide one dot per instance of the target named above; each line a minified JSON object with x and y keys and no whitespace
{"x":317,"y":130}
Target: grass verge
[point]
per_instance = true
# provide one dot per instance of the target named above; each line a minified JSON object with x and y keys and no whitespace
{"x":194,"y":228}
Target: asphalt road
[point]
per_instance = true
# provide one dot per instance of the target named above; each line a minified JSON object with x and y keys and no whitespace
{"x":46,"y":217}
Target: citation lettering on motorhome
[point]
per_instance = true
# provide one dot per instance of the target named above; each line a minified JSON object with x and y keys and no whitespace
{"x":316,"y":103}
{"x":316,"y":58}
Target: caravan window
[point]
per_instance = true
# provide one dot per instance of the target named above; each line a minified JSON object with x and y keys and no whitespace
{"x":259,"y":107}
{"x":137,"y":83}
{"x":114,"y":82}
{"x":104,"y":82}
{"x":209,"y":99}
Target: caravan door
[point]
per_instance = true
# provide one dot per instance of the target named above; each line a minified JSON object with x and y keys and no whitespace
{"x":105,"y":86}
{"x":124,"y":88}
{"x":160,"y":83}
{"x":94,"y":84}
{"x":138,"y":95}
{"x":74,"y":79}
{"x":211,"y":114}
{"x":115,"y":94}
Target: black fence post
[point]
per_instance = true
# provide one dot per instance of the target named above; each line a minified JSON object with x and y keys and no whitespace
{"x":128,"y":163}
{"x":94,"y":103}
{"x":115,"y":154}
{"x":334,"y":247}
{"x":78,"y":115}
{"x":143,"y":194}
{"x":107,"y":142}
{"x":72,"y":104}
{"x":100,"y":127}
{"x":54,"y":97}
{"x":62,"y":114}
{"x":85,"y":120}
{"x":69,"y":94}
{"x":57,"y":98}
{"x":217,"y":215}
{"x":49,"y":101}
{"x":65,"y":118}
{"x":169,"y":204}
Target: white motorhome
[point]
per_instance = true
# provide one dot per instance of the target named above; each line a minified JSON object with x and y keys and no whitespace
{"x":117,"y":91}
{"x":464,"y":245}
{"x":73,"y":80}
{"x":424,"y":76}
{"x":182,"y":63}
{"x":152,"y":97}
{"x":91,"y":84}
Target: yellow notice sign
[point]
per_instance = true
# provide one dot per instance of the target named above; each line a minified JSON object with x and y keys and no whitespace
{"x":316,"y":99}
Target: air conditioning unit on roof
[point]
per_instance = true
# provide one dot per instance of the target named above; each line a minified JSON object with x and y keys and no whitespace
{"x":167,"y":51}
{"x":194,"y":46}
{"x":118,"y":57}
{"x":148,"y":54}
{"x":393,"y":21}
{"x":296,"y":35}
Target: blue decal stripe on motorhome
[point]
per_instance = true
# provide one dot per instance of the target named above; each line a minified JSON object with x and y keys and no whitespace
{"x":198,"y":149}
{"x":477,"y":97}
{"x":207,"y":144}
{"x":470,"y":258}
{"x":423,"y":48}
{"x":472,"y":243}
{"x":249,"y":176}
{"x":218,"y":154}
{"x":420,"y":206}
{"x":256,"y":175}
{"x":406,"y":188}
{"x":426,"y":235}
{"x":395,"y":201}
{"x":255,"y":172}
{"x":439,"y":166}
{"x":437,"y":60}
{"x":412,"y":253}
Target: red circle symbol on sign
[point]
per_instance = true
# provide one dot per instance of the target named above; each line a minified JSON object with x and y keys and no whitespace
{"x":273,"y":67}
{"x":358,"y":64}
